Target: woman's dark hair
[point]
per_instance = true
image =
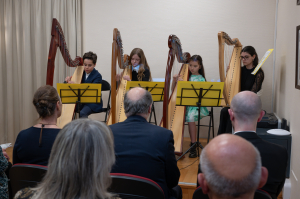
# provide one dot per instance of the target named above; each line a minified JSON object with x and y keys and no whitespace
{"x":251,"y":51}
{"x":90,"y":55}
{"x":44,"y":100}
{"x":198,"y":59}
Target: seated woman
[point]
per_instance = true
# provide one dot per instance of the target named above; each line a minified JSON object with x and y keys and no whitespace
{"x":79,"y":164}
{"x":249,"y":82}
{"x":3,"y":178}
{"x":33,"y":145}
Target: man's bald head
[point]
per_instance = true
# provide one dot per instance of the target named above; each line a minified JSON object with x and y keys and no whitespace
{"x":231,"y":166}
{"x":137,"y":101}
{"x":246,"y":106}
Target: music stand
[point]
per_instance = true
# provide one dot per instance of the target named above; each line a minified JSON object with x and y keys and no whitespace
{"x":79,"y":94}
{"x":199,"y":94}
{"x":155,"y":88}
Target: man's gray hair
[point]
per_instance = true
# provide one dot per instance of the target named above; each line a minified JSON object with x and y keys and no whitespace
{"x":224,"y":187}
{"x":140,"y":106}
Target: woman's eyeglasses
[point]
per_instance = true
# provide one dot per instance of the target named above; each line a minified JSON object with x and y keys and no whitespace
{"x":245,"y":58}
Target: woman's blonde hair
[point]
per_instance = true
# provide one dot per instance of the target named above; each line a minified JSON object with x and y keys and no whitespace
{"x":80,"y":162}
{"x":143,"y":63}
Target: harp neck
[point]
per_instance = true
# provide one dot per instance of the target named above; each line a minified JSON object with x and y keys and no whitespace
{"x":58,"y":41}
{"x":175,"y":50}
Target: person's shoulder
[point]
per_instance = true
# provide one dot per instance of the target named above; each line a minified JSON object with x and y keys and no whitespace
{"x":26,"y":193}
{"x":29,"y":130}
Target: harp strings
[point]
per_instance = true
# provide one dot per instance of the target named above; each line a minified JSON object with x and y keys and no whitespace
{"x":228,"y":49}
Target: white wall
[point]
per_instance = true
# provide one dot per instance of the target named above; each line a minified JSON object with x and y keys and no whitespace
{"x":287,"y":97}
{"x":147,"y":25}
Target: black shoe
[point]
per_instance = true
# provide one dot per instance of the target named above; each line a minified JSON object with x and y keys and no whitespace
{"x":193,"y":152}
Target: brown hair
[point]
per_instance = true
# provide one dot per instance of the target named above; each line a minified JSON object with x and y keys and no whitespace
{"x":90,"y":55}
{"x":44,"y":100}
{"x":143,"y":63}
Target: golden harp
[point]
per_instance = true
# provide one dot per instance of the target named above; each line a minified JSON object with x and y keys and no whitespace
{"x":58,"y":41}
{"x":174,"y":116}
{"x":232,"y":80}
{"x":117,"y":113}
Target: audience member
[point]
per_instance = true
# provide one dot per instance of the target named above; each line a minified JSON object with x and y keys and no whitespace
{"x":245,"y":112}
{"x":3,"y":179}
{"x":79,"y":164}
{"x":33,"y":145}
{"x":144,"y":149}
{"x":231,"y":168}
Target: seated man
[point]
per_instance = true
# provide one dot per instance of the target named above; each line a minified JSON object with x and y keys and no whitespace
{"x":231,"y":168}
{"x":245,"y":112}
{"x":144,"y":149}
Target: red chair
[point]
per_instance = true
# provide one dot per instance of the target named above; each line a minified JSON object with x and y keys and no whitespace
{"x":132,"y":186}
{"x":259,"y":194}
{"x":25,"y":175}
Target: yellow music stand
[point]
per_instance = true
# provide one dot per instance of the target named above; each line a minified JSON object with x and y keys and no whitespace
{"x":155,"y":88}
{"x":79,"y":93}
{"x":199,"y":94}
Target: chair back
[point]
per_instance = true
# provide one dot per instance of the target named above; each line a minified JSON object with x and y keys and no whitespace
{"x":105,"y":85}
{"x":132,"y":186}
{"x":198,"y":194}
{"x":25,"y":175}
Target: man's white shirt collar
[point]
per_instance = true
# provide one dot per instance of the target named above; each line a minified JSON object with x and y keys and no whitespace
{"x":136,"y":68}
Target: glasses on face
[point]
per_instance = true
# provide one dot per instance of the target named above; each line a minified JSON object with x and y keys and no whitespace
{"x":245,"y":58}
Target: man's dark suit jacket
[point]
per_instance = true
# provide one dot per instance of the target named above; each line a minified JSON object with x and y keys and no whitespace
{"x":94,"y":77}
{"x":274,"y":158}
{"x":145,"y":150}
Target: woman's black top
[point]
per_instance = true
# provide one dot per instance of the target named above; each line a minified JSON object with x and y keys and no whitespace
{"x":145,"y":77}
{"x":251,"y":82}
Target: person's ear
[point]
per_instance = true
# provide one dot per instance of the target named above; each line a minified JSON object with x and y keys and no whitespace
{"x":58,"y":105}
{"x":231,"y":114}
{"x":253,"y":57}
{"x":263,"y":177}
{"x":202,"y":182}
{"x":150,"y":107}
{"x":261,"y":114}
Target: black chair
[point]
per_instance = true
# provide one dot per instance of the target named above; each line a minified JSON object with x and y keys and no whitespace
{"x":106,"y":87}
{"x":259,"y":194}
{"x":132,"y":186}
{"x":25,"y":175}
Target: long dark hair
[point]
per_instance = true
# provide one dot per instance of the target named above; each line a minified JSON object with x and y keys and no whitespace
{"x":198,"y":59}
{"x":251,"y":51}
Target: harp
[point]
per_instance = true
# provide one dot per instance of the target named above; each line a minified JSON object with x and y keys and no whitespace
{"x":232,"y":80}
{"x":58,"y":41}
{"x":117,"y":113}
{"x":174,"y":116}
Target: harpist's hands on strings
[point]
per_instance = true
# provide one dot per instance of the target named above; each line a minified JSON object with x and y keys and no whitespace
{"x":126,"y":77}
{"x":68,"y":80}
{"x":177,"y":78}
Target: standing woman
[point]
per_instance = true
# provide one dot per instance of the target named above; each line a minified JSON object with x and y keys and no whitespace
{"x":33,"y":145}
{"x":249,"y":82}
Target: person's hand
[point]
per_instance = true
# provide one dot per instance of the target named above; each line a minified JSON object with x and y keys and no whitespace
{"x":68,"y":80}
{"x":126,"y":77}
{"x":118,"y":77}
{"x":5,"y":154}
{"x":177,"y":78}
